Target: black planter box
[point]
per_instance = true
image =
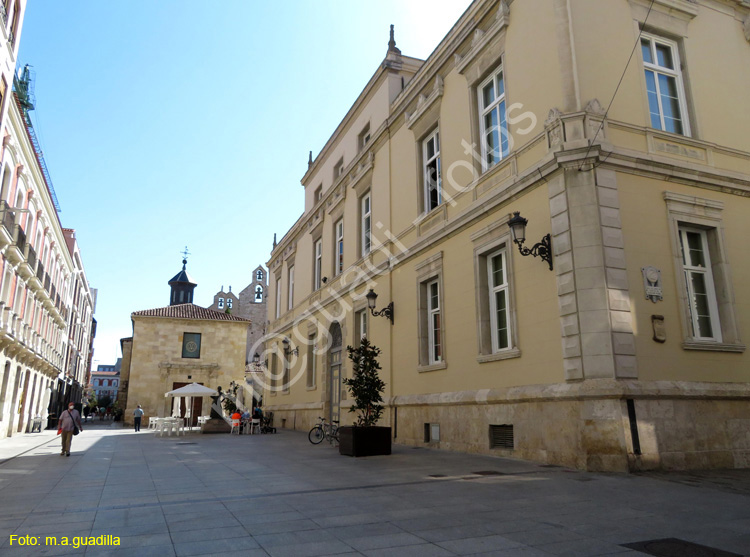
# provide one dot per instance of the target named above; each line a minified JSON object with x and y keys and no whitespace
{"x":364,"y":441}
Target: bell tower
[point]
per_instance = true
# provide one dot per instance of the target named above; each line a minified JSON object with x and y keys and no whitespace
{"x":182,"y":286}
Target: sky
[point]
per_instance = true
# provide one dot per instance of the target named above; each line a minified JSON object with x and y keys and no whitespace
{"x":168,"y":124}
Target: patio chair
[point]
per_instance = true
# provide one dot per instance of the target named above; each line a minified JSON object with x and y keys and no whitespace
{"x":235,"y":426}
{"x":255,"y":426}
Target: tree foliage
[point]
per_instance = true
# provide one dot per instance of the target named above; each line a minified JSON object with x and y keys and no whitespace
{"x":365,"y":386}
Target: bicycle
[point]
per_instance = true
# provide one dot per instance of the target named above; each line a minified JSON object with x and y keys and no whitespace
{"x":324,"y":430}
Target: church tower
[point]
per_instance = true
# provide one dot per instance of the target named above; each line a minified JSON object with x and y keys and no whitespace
{"x":182,"y":287}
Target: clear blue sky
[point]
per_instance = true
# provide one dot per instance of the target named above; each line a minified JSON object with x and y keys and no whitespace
{"x":176,"y":123}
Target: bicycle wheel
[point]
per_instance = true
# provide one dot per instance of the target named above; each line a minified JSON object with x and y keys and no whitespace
{"x":335,"y":434}
{"x":316,"y":435}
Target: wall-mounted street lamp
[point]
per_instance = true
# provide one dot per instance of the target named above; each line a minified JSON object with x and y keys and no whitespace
{"x":542,"y":249}
{"x":288,"y":347}
{"x":387,"y":311}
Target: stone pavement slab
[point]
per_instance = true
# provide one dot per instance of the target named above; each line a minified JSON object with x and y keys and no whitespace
{"x":278,"y":495}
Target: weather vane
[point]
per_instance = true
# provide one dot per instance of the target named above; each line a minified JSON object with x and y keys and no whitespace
{"x":185,"y":253}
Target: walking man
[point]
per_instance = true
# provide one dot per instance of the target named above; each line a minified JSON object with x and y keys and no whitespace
{"x":137,"y":415}
{"x":70,"y":420}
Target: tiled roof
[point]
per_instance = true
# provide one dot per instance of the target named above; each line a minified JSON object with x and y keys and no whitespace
{"x":188,"y":311}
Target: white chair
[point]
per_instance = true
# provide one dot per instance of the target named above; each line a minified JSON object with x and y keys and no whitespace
{"x":235,"y":426}
{"x":255,"y":425}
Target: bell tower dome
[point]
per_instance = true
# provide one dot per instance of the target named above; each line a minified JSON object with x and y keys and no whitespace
{"x":182,"y":287}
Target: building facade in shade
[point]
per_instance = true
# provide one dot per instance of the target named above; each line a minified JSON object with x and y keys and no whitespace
{"x":624,"y":347}
{"x":46,"y":322}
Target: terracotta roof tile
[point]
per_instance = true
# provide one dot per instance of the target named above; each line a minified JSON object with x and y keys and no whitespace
{"x":188,"y":311}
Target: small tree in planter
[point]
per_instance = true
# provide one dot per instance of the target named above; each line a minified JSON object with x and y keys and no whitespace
{"x":366,"y":388}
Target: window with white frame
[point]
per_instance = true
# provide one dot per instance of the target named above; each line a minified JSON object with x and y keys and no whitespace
{"x":290,"y":296}
{"x":338,"y":261}
{"x":664,"y":85}
{"x":220,"y":305}
{"x":704,"y":277}
{"x":366,"y":224}
{"x":278,"y":298}
{"x":360,"y":326}
{"x":311,"y":363}
{"x":492,"y":119}
{"x":435,"y":327}
{"x":497,"y":281}
{"x":318,"y":265}
{"x":364,"y":137}
{"x":701,"y":294}
{"x":433,"y":194}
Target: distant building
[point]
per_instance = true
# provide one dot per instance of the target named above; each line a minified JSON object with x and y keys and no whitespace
{"x":105,"y":381}
{"x":177,"y":345}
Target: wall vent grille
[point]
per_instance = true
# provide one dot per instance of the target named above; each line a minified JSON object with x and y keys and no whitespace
{"x":501,"y":436}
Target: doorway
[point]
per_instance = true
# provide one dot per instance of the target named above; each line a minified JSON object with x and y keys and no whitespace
{"x":197,"y":405}
{"x":334,"y":372}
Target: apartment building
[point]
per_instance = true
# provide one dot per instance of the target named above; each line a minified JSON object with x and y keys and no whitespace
{"x":548,"y":215}
{"x":46,"y":321}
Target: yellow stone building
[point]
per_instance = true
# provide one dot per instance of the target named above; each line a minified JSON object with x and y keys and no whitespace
{"x":626,"y":350}
{"x":177,"y":345}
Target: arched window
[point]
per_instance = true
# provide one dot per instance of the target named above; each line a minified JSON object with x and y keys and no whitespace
{"x":221,"y":303}
{"x":258,"y":294}
{"x":259,"y":276}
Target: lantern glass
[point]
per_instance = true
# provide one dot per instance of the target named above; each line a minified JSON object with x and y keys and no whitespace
{"x":371,"y":299}
{"x":517,"y":226}
{"x":256,"y":358}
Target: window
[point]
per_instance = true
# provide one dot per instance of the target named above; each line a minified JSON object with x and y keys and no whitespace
{"x":493,"y":124}
{"x":339,"y":255}
{"x":258,"y":294}
{"x":433,"y":194}
{"x":311,"y":363}
{"x":290,"y":297}
{"x":318,"y":264}
{"x":229,"y":303}
{"x":700,"y":285}
{"x":664,"y":86}
{"x":360,"y":326}
{"x":278,"y":298}
{"x":364,"y":137}
{"x":338,"y":169}
{"x":220,"y":305}
{"x":704,"y":277}
{"x":259,"y":275}
{"x":434,"y":323}
{"x":497,"y":281}
{"x":365,"y":224}
{"x":318,"y":194}
{"x":191,"y":345}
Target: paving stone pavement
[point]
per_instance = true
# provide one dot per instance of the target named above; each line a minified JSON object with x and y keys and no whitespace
{"x":279,"y":495}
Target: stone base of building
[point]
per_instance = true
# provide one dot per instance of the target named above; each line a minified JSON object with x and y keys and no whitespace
{"x":595,"y":425}
{"x":216,"y":425}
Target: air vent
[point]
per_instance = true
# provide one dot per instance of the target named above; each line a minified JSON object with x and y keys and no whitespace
{"x":501,"y":436}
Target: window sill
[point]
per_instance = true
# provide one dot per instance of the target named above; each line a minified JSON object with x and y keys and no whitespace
{"x":312,"y":388}
{"x":497,"y":356}
{"x":713,"y":346}
{"x":432,"y":367}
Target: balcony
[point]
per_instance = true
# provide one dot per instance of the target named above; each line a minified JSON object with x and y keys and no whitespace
{"x":7,"y":219}
{"x":28,"y":266}
{"x":15,"y":251}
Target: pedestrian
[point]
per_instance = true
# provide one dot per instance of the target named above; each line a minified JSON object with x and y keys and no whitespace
{"x":137,"y":415}
{"x":69,"y":421}
{"x":86,"y":412}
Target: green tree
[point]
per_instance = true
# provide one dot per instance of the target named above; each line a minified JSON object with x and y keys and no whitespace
{"x":365,"y":386}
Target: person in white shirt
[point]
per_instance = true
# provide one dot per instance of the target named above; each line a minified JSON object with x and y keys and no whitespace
{"x":137,"y":415}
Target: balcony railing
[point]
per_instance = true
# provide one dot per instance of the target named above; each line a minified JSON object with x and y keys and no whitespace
{"x":19,"y":237}
{"x":31,"y":256}
{"x":8,"y":217}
